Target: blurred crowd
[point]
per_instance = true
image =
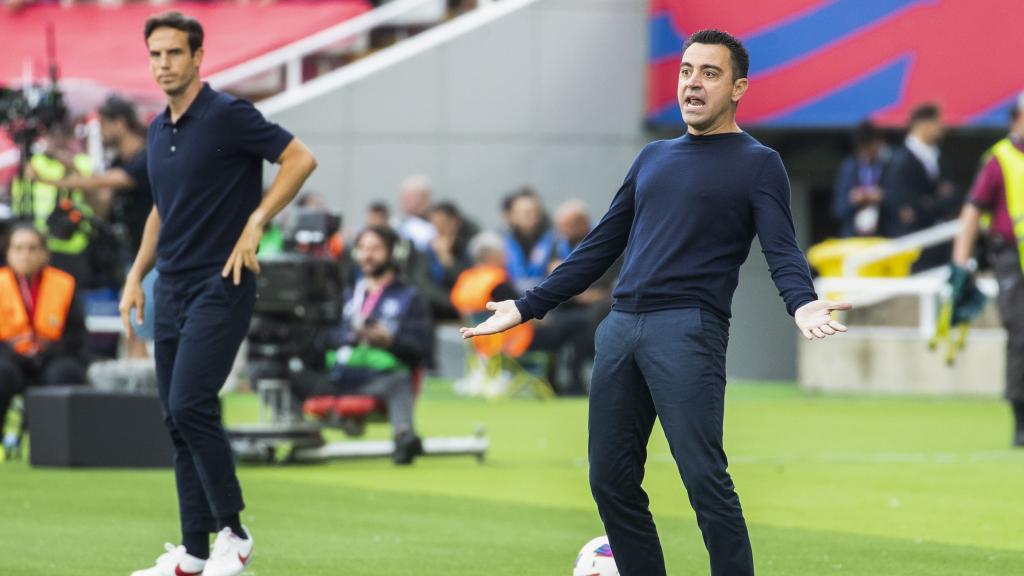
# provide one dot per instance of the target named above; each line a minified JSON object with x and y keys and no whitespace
{"x":884,"y":190}
{"x":92,"y":217}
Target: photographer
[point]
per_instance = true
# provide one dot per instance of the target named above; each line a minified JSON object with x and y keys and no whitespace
{"x":385,"y":336}
{"x":60,"y":212}
{"x":123,"y":134}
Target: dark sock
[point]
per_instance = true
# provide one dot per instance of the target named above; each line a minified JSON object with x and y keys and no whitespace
{"x":1018,"y":414}
{"x":235,"y":523}
{"x":196,"y":544}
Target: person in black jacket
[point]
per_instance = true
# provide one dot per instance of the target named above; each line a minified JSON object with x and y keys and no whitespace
{"x":857,"y":194}
{"x":918,"y":193}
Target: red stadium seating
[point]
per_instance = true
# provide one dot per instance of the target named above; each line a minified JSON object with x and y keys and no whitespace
{"x":104,"y":46}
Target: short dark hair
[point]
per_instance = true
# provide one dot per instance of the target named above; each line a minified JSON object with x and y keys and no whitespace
{"x":178,"y":21}
{"x":117,"y":108}
{"x":30,"y":228}
{"x":379,"y":208}
{"x":447,"y":208}
{"x":522,"y":192}
{"x":866,"y":133}
{"x":740,"y":57}
{"x":388,"y":236}
{"x":924,"y":112}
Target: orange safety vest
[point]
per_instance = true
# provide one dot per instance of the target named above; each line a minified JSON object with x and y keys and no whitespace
{"x":30,"y":336}
{"x":470,"y":295}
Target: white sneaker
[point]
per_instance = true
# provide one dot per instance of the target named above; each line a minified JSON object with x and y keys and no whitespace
{"x":230,"y":554}
{"x":175,"y":562}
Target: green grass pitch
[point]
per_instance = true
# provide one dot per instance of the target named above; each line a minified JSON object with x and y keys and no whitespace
{"x":851,"y":486}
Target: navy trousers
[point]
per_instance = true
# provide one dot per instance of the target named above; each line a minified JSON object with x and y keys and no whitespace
{"x":201,"y":320}
{"x":668,"y":364}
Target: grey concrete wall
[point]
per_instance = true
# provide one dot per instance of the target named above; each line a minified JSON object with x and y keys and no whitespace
{"x":551,"y":96}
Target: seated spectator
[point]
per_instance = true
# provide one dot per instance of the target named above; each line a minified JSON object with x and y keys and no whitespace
{"x":414,"y":200}
{"x":857,"y":194}
{"x":587,"y":309}
{"x":489,"y":281}
{"x":410,"y":262}
{"x":446,"y":257}
{"x":377,"y":214}
{"x":385,"y":336}
{"x":529,"y":241}
{"x":42,"y":326}
{"x":572,"y":224}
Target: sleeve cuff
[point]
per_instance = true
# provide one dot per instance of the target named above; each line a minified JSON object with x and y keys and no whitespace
{"x":803,"y":301}
{"x":524,"y":309}
{"x":276,"y":148}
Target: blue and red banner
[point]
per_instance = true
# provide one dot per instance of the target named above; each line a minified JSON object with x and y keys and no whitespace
{"x":817,"y":63}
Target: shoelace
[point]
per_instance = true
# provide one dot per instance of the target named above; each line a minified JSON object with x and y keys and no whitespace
{"x":222,"y":545}
{"x":171,"y":549}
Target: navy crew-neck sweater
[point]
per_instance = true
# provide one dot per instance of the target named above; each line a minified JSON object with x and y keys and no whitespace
{"x":686,"y":215}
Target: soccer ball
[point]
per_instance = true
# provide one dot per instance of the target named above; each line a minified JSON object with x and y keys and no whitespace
{"x":595,"y":559}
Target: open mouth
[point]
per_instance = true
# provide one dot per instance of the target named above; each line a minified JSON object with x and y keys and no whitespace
{"x":693,"y":103}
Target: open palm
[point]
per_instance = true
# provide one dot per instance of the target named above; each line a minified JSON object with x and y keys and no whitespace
{"x":505,"y":316}
{"x":814,"y":319}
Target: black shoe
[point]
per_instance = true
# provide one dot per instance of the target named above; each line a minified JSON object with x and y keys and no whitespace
{"x":407,"y":447}
{"x":1018,"y":440}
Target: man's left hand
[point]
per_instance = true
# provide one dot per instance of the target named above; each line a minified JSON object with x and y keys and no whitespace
{"x":814,"y":319}
{"x":244,"y":253}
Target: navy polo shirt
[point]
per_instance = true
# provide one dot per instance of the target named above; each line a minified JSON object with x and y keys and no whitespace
{"x":206,"y":172}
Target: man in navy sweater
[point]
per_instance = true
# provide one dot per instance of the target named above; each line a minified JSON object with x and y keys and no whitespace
{"x":685,"y":216}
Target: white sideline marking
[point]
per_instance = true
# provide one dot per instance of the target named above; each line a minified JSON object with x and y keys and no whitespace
{"x":872,"y":458}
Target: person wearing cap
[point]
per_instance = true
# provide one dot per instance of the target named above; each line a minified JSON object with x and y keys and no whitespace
{"x":998,"y":197}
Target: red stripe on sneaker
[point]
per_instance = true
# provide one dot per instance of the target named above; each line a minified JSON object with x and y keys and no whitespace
{"x":244,"y":559}
{"x":179,"y":572}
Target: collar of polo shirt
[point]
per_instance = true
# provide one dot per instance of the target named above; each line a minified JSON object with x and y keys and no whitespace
{"x":195,"y":110}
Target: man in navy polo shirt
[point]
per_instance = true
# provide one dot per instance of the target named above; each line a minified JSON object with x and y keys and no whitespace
{"x":205,"y":158}
{"x":685,"y":216}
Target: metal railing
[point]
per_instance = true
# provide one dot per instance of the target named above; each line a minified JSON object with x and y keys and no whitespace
{"x":927,"y":286}
{"x":291,"y":56}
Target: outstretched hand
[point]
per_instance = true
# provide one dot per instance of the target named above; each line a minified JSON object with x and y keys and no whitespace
{"x":505,"y":316}
{"x":814,"y":319}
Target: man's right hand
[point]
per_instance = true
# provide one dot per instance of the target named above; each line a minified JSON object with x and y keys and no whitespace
{"x":505,"y":316}
{"x":132,"y":297}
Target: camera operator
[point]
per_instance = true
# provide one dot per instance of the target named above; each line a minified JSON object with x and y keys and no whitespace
{"x":123,"y":134}
{"x":60,"y":213}
{"x":385,"y":336}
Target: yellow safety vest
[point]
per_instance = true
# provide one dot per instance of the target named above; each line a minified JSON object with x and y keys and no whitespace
{"x":43,"y":200}
{"x":1011,"y":162}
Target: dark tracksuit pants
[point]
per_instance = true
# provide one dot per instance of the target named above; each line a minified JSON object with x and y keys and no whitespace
{"x":1010,"y":301}
{"x":201,"y":320}
{"x":668,"y":364}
